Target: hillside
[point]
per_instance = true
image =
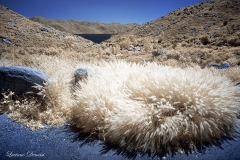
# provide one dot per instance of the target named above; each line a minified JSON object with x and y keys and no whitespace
{"x":208,"y":32}
{"x":22,"y":38}
{"x":217,"y":19}
{"x":83,"y":27}
{"x":199,"y":35}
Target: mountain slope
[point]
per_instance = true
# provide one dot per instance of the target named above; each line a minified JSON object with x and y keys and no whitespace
{"x":217,"y":20}
{"x":208,"y":32}
{"x":20,"y":36}
{"x":83,"y":27}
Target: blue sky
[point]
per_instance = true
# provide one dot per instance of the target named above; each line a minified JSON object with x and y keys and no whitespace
{"x":105,"y":11}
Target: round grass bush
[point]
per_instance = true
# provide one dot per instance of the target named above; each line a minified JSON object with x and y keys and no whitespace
{"x":154,"y":108}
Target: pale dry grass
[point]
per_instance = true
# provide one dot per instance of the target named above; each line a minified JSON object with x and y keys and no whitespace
{"x":154,"y":108}
{"x":147,"y":106}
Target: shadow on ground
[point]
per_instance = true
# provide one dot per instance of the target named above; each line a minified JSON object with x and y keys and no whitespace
{"x":86,"y":139}
{"x":67,"y":142}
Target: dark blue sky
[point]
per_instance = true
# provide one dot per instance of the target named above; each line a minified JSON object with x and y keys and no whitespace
{"x":105,"y":11}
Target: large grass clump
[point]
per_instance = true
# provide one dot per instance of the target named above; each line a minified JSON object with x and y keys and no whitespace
{"x":156,"y":108}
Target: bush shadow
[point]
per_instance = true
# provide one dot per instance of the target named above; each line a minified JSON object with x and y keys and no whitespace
{"x":78,"y":135}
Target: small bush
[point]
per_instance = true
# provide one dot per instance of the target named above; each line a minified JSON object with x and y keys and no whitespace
{"x":234,"y":42}
{"x":156,"y":53}
{"x":204,"y":40}
{"x":173,"y":55}
{"x":176,"y":109}
{"x":225,"y":23}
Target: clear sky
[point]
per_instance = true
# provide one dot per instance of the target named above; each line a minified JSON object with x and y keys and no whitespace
{"x":105,"y":11}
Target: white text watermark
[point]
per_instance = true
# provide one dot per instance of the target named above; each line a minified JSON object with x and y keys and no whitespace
{"x":27,"y":154}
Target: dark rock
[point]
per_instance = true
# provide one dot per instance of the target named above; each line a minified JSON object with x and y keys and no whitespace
{"x":164,"y":51}
{"x":82,"y":73}
{"x":44,"y":29}
{"x":133,"y":48}
{"x":224,"y":66}
{"x":200,"y":58}
{"x":215,"y":65}
{"x":220,"y":44}
{"x":12,"y":23}
{"x":193,"y":30}
{"x":21,"y":80}
{"x":6,"y":40}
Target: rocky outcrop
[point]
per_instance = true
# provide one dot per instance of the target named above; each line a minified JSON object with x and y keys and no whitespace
{"x":21,"y":80}
{"x":217,"y":66}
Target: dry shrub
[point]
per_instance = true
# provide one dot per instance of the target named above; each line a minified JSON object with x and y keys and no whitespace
{"x":125,"y":44}
{"x":233,"y":61}
{"x":52,"y":106}
{"x":34,"y":112}
{"x":173,"y":55}
{"x":179,"y":64}
{"x":131,"y":38}
{"x":4,"y":62}
{"x":204,"y":40}
{"x":21,"y":51}
{"x":69,"y":42}
{"x":232,"y":73}
{"x":100,"y":52}
{"x":54,"y":51}
{"x":147,"y":46}
{"x":225,"y":23}
{"x":156,"y":108}
{"x":234,"y":42}
{"x":156,"y":53}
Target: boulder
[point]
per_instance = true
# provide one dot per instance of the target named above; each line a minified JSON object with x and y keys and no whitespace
{"x":215,"y":65}
{"x":137,"y":48}
{"x":224,"y":66}
{"x":21,"y":80}
{"x":220,"y":44}
{"x":6,"y":40}
{"x":81,"y":73}
{"x":164,"y":51}
{"x":44,"y":29}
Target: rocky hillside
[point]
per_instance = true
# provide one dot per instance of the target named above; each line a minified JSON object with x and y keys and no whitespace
{"x":20,"y":36}
{"x":214,"y":22}
{"x":208,"y":32}
{"x":83,"y":27}
{"x":200,"y":35}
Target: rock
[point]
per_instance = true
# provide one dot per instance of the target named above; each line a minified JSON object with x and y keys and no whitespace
{"x":82,"y":73}
{"x":21,"y":80}
{"x":164,"y":51}
{"x":137,"y":48}
{"x":215,"y":65}
{"x":12,"y":23}
{"x":220,"y":44}
{"x":224,"y":66}
{"x":44,"y":29}
{"x":193,"y":30}
{"x":6,"y":40}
